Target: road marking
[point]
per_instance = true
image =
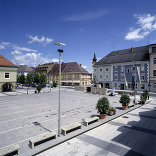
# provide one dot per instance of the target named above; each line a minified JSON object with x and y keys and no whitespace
{"x":34,"y":125}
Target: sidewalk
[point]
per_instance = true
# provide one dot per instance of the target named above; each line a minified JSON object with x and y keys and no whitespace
{"x":131,"y":134}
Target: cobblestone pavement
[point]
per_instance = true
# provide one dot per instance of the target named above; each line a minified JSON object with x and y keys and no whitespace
{"x":25,"y":116}
{"x":131,"y":134}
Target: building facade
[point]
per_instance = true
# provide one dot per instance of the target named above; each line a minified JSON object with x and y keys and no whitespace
{"x":8,"y":75}
{"x":44,"y":69}
{"x":72,"y":74}
{"x":152,"y":52}
{"x":120,"y":65}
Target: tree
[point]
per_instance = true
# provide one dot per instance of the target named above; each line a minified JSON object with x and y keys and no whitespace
{"x":36,"y":78}
{"x":42,"y":79}
{"x":22,"y":79}
{"x":29,"y":79}
{"x":18,"y":79}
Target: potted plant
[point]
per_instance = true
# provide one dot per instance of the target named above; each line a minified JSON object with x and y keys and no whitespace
{"x":39,"y":88}
{"x":111,"y":111}
{"x":124,"y":100}
{"x":102,"y":106}
{"x":143,"y":98}
{"x":54,"y":84}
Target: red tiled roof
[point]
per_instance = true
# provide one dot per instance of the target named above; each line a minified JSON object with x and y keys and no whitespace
{"x":5,"y":62}
{"x":71,"y":67}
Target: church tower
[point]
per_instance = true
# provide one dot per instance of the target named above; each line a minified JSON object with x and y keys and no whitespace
{"x":93,"y":62}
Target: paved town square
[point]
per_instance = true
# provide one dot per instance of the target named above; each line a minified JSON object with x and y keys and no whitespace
{"x":25,"y":116}
{"x":132,"y":134}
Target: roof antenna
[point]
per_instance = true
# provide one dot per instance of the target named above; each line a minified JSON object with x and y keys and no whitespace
{"x":113,"y":43}
{"x":148,"y":40}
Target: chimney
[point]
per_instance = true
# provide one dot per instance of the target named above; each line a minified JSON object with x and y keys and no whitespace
{"x":132,"y":49}
{"x":80,"y":65}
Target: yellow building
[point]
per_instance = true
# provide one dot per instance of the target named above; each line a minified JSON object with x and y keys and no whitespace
{"x":72,"y":74}
{"x":8,"y":75}
{"x":44,"y":69}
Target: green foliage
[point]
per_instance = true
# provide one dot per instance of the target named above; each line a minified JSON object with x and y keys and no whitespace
{"x":18,"y":79}
{"x":112,"y":109}
{"x":42,"y":79}
{"x":29,"y":79}
{"x":124,"y":100}
{"x":54,"y":84}
{"x":36,"y":78}
{"x":120,"y":92}
{"x":39,"y":88}
{"x":22,"y":79}
{"x":144,"y":96}
{"x":102,"y":105}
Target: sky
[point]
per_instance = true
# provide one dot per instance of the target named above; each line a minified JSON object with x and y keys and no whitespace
{"x":29,"y":29}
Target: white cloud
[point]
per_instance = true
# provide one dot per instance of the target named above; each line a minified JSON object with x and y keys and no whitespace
{"x":86,"y":16}
{"x":2,"y":46}
{"x":84,"y":67}
{"x":15,"y":47}
{"x":55,"y":60}
{"x":43,"y":40}
{"x":147,"y":24}
{"x":30,"y":59}
{"x":16,"y":52}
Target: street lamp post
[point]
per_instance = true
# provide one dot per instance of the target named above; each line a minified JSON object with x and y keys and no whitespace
{"x":59,"y":106}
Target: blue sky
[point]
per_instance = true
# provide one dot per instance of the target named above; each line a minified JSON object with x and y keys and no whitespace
{"x":29,"y":28}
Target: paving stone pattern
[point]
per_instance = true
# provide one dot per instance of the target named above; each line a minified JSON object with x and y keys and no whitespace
{"x":25,"y":116}
{"x":132,"y":134}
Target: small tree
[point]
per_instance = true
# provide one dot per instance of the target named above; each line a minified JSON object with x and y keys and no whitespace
{"x":102,"y":105}
{"x":22,"y":79}
{"x":42,"y":79}
{"x":39,"y":88}
{"x":124,"y":100}
{"x":29,"y":79}
{"x":36,"y":78}
{"x":18,"y":79}
{"x":144,"y":96}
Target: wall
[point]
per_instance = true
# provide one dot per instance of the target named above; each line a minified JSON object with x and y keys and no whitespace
{"x":12,"y":79}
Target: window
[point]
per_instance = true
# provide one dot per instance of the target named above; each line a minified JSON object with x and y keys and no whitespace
{"x":94,"y":70}
{"x":142,"y":86}
{"x":154,"y":72}
{"x":100,"y":76}
{"x":107,"y":77}
{"x":116,"y":85}
{"x":142,"y":67}
{"x":129,"y":85}
{"x":106,"y":69}
{"x":116,"y":69}
{"x":154,"y":85}
{"x":128,"y":70}
{"x":122,"y":77}
{"x":7,"y":75}
{"x":122,"y":68}
{"x":142,"y":77}
{"x":100,"y":69}
{"x":154,"y":60}
{"x":154,"y":49}
{"x":116,"y":77}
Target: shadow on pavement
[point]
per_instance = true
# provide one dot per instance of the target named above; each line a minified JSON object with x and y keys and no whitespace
{"x":140,"y":136}
{"x":38,"y":124}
